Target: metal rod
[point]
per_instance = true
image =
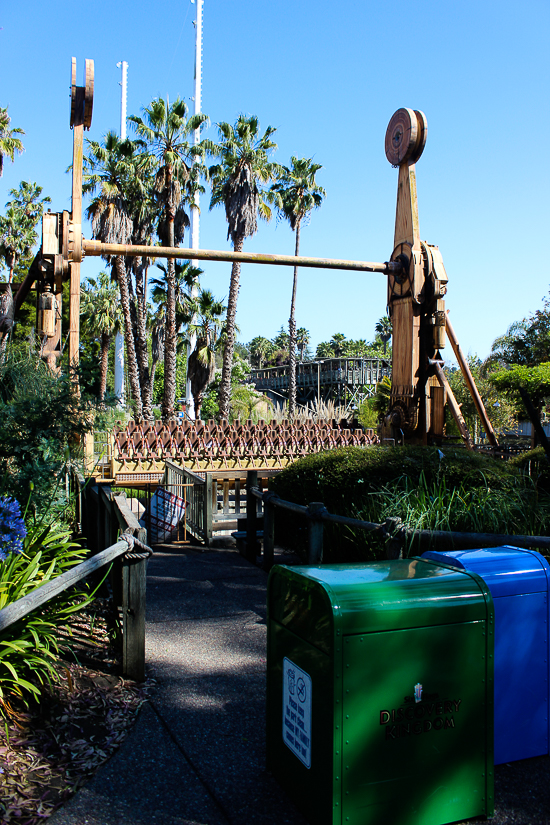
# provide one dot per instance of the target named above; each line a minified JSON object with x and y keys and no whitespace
{"x":95,"y":248}
{"x":470,"y":383}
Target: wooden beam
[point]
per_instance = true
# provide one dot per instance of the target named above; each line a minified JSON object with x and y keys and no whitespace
{"x":470,"y":383}
{"x":97,"y":248}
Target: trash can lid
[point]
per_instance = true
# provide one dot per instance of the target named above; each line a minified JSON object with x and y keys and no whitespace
{"x":317,"y":602}
{"x":508,"y":571}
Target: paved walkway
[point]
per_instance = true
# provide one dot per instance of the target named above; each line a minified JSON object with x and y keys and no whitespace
{"x":196,"y":755}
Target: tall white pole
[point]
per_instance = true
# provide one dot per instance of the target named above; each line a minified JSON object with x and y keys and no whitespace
{"x":195,"y":215}
{"x":119,"y":338}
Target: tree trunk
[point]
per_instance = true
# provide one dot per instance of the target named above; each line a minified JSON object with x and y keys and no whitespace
{"x":292,"y":334}
{"x":133,"y":372}
{"x":169,"y":395}
{"x":225,"y":386}
{"x":105,"y":341}
{"x":141,"y":340}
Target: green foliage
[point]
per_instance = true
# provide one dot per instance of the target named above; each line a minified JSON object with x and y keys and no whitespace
{"x":341,"y":347}
{"x":534,"y":465}
{"x":41,"y":417}
{"x":181,"y":378}
{"x":423,"y":486}
{"x":367,"y":414}
{"x":18,"y":232}
{"x":535,"y":379}
{"x":501,"y":410}
{"x":9,"y":142}
{"x":28,"y":648}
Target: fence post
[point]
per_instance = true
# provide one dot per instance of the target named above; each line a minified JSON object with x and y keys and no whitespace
{"x":207,"y":505}
{"x":316,"y":529}
{"x":251,"y":516}
{"x":269,"y":532}
{"x":133,"y":618}
{"x":394,"y":541}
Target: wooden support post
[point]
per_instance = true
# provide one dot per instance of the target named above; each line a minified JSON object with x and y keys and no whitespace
{"x":133,"y":618}
{"x":455,"y":409}
{"x":269,"y":533}
{"x":207,"y":509}
{"x":316,"y":530}
{"x":76,"y":229}
{"x":471,"y":384}
{"x":251,"y":516}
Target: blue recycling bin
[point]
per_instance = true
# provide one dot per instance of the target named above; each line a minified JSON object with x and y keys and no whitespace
{"x":519,"y":581}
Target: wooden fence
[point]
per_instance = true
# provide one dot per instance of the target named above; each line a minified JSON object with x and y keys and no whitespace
{"x":396,"y":534}
{"x":114,"y":538}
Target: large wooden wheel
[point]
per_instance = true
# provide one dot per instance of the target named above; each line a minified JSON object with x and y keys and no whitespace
{"x":87,"y":102}
{"x":406,"y":137}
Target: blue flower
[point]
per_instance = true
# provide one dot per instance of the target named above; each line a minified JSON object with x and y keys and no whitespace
{"x":12,"y":527}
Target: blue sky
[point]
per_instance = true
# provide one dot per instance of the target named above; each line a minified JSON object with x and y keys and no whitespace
{"x":328,"y":76}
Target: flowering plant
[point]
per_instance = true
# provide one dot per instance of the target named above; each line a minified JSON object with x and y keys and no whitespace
{"x":12,"y":527}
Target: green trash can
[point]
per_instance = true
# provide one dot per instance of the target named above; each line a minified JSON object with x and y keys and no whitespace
{"x":380,"y":692}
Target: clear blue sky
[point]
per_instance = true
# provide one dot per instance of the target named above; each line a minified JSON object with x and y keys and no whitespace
{"x":328,"y":76}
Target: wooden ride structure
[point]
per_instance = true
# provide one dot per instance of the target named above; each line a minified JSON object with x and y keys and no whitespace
{"x":417,"y":282}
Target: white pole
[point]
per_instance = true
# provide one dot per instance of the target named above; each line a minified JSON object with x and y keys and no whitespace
{"x":195,"y":216}
{"x":119,"y":338}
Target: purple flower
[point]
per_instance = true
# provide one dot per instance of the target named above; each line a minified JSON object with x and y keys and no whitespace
{"x":12,"y":527}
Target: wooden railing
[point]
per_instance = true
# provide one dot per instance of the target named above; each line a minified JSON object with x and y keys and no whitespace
{"x":114,"y":538}
{"x":215,"y":501}
{"x":396,"y":534}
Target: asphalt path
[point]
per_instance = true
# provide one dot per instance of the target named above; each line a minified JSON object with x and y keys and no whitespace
{"x":196,"y":755}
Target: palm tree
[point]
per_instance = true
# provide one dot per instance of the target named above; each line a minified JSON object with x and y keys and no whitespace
{"x":110,"y":171}
{"x":100,"y":307}
{"x":237,"y":180}
{"x":9,"y":144}
{"x":338,"y":344}
{"x":302,"y":340}
{"x":383,"y":328}
{"x":298,"y":194}
{"x":166,"y":131}
{"x":186,"y":280}
{"x":261,"y":349}
{"x":18,"y":226}
{"x":201,"y":366}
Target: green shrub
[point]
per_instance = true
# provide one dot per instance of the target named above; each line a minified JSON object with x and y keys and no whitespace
{"x":427,"y":488}
{"x":535,"y":465}
{"x":28,"y":648}
{"x":41,"y":421}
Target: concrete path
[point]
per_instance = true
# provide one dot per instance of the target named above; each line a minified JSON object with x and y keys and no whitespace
{"x":196,"y":755}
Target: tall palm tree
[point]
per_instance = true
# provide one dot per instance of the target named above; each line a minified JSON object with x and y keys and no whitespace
{"x":237,"y":184}
{"x":100,"y":308}
{"x":9,"y":144}
{"x":383,"y":328}
{"x":167,"y":130}
{"x":201,"y":366}
{"x":298,"y":194}
{"x":109,"y":173}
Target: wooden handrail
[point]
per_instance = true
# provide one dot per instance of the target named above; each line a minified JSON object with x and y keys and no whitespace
{"x":22,"y":607}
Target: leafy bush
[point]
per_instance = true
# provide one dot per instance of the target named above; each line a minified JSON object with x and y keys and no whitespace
{"x":427,"y":488}
{"x":41,"y":420}
{"x":28,"y":647}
